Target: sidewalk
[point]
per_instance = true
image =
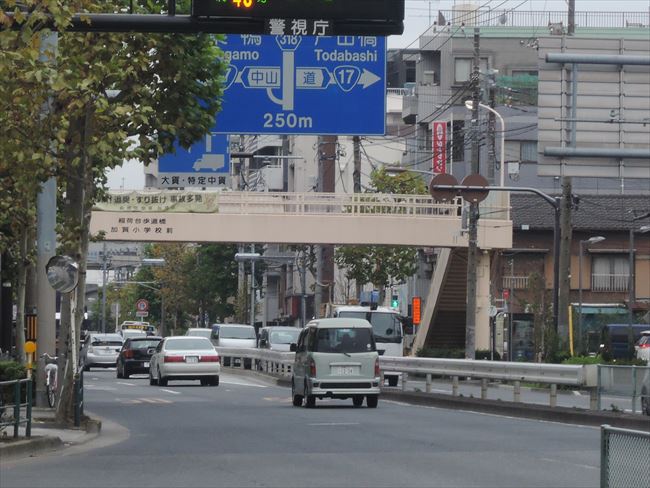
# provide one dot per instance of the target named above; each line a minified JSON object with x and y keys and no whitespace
{"x":46,"y":436}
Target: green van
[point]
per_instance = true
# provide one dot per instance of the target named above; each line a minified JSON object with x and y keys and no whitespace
{"x":336,"y":358}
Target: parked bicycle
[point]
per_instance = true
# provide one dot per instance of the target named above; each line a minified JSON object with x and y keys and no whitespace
{"x":51,"y":378}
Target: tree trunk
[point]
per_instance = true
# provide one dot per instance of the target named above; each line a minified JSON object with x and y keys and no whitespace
{"x":21,"y":287}
{"x":76,"y":212}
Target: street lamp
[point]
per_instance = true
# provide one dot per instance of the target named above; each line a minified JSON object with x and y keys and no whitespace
{"x":241,"y":257}
{"x":583,"y":243}
{"x":469,"y":105}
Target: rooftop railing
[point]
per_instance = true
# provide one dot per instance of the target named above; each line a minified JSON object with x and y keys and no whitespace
{"x":520,"y":18}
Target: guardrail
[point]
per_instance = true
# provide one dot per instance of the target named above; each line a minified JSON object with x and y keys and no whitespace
{"x":7,"y":408}
{"x":550,"y":374}
{"x":279,"y":364}
{"x":631,"y":382}
{"x":274,"y":363}
{"x":624,"y":457}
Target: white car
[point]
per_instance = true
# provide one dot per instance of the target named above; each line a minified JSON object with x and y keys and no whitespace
{"x":642,"y":346}
{"x":100,"y":350}
{"x":185,"y":358}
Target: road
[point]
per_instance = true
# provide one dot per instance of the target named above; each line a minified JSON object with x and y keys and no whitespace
{"x":246,"y":433}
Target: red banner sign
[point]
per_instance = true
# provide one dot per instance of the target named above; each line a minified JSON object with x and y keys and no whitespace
{"x":439,"y":147}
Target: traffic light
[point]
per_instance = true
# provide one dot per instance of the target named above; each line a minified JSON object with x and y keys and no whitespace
{"x":394,"y":301}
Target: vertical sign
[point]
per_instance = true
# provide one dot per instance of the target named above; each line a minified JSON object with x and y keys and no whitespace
{"x":416,"y":308}
{"x":439,"y":147}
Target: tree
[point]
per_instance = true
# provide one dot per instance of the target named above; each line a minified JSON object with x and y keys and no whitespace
{"x":115,"y":97}
{"x":214,"y":281}
{"x":382,"y":266}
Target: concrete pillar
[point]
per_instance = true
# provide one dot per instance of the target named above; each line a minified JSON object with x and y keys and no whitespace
{"x":483,"y":301}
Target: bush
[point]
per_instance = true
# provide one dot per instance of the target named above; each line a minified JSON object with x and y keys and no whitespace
{"x":11,"y":370}
{"x":439,"y":352}
{"x":484,"y":354}
{"x":584,"y":360}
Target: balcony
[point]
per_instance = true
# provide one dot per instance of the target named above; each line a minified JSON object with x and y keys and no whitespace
{"x":515,"y":282}
{"x":610,"y":282}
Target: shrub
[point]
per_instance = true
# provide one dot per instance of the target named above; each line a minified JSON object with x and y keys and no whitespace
{"x":439,"y":352}
{"x":11,"y":370}
{"x":485,"y":355}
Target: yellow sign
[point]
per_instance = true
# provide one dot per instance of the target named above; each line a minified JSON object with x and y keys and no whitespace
{"x":30,"y":347}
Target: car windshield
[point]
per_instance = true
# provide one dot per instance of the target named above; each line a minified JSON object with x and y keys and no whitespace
{"x":226,"y":332}
{"x":344,"y":340}
{"x":384,"y":325}
{"x":199,"y":333}
{"x":194,"y":344}
{"x":284,"y":336}
{"x":107,"y":340}
{"x":144,"y":344}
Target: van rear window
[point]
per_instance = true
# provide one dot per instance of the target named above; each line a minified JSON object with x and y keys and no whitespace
{"x":344,"y":340}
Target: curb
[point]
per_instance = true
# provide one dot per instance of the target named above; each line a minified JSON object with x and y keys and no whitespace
{"x":522,"y":410}
{"x":30,"y":447}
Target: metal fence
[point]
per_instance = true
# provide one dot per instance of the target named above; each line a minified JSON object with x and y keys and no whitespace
{"x":15,"y":396}
{"x":619,"y":385}
{"x":624,"y":458}
{"x":522,"y":18}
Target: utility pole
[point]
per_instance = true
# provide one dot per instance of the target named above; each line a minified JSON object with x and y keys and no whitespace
{"x":356,"y":175}
{"x":104,"y":280}
{"x":492,"y":153}
{"x":472,"y":249}
{"x":46,"y":249}
{"x":572,"y":18}
{"x":565,"y":261}
{"x":327,"y":151}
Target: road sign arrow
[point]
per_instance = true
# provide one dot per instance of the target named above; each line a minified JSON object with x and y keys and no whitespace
{"x":368,"y":78}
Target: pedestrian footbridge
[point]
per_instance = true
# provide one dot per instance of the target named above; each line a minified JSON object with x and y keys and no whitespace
{"x":297,"y":218}
{"x":330,"y":218}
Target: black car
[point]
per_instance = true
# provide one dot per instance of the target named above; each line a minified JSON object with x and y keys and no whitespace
{"x":135,"y":355}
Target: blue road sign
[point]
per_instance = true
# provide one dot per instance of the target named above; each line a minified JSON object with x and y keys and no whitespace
{"x":304,"y":85}
{"x":205,"y":163}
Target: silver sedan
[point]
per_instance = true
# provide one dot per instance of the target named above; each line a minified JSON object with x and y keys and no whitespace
{"x":185,"y":358}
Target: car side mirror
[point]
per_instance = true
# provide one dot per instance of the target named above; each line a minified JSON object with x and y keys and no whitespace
{"x":293,"y":347}
{"x":381,"y":351}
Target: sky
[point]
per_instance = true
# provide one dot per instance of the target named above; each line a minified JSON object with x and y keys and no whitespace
{"x":417,"y":15}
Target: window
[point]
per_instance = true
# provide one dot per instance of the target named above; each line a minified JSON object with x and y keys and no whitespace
{"x":463,"y":68}
{"x":610,"y":273}
{"x":528,"y":151}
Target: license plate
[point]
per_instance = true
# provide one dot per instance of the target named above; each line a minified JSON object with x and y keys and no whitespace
{"x":146,"y":365}
{"x":192,"y":359}
{"x":345,"y":370}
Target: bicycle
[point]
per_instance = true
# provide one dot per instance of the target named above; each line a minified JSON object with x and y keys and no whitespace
{"x":51,"y":378}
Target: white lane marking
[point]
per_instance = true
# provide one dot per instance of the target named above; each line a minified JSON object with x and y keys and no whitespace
{"x":100,"y":388}
{"x":588,"y":466}
{"x":155,"y":400}
{"x":329,"y":424}
{"x":171,"y":391}
{"x":123,"y":383}
{"x":242,"y":384}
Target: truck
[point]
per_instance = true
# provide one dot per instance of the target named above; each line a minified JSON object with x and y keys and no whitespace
{"x":387,"y":327}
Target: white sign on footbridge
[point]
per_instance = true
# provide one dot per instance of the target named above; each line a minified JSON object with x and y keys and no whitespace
{"x":294,"y":218}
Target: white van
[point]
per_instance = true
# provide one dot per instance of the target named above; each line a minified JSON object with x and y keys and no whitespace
{"x":336,"y":358}
{"x":386,"y":327}
{"x":235,"y":336}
